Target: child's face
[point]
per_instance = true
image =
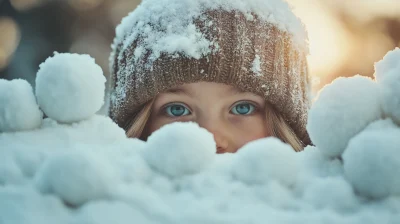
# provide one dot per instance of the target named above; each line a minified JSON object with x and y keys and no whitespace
{"x":234,"y":117}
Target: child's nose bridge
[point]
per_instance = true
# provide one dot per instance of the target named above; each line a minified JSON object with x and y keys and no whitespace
{"x":218,"y":127}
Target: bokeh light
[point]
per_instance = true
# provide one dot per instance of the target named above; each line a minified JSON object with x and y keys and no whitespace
{"x":23,"y":5}
{"x":9,"y":39}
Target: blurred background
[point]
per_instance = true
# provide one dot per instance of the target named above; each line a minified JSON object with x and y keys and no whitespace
{"x":346,"y":36}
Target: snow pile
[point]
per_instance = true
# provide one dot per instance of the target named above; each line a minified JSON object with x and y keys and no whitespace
{"x":89,"y":172}
{"x":354,"y":118}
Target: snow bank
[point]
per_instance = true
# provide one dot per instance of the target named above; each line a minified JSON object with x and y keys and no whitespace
{"x":89,"y":172}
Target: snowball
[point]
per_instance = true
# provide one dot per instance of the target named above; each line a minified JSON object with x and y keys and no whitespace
{"x":254,"y":164}
{"x":389,"y":63}
{"x":342,"y":110}
{"x":180,"y":148}
{"x":70,"y":87}
{"x":371,"y":162}
{"x":387,"y":73}
{"x":18,"y":110}
{"x":75,"y":177}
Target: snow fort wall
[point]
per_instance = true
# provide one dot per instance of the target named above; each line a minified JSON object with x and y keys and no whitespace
{"x":89,"y":172}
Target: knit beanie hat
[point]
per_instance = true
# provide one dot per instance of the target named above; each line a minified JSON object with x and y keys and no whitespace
{"x":258,"y":46}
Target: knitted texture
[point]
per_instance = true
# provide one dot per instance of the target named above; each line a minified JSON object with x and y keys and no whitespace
{"x":250,"y":54}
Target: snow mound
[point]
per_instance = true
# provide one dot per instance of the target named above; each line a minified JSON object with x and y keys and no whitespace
{"x":346,"y":121}
{"x":90,"y":172}
{"x":18,"y":108}
{"x":70,"y":87}
{"x":60,"y":174}
{"x":387,"y":74}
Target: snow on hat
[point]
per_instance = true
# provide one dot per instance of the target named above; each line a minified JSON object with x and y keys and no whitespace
{"x":258,"y":46}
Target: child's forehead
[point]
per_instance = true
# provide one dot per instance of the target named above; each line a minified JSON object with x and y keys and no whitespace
{"x":206,"y":87}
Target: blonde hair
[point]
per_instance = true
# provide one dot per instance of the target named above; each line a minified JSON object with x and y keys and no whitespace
{"x":277,"y":126}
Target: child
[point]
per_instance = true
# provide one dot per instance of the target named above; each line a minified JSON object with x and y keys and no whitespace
{"x":236,"y":67}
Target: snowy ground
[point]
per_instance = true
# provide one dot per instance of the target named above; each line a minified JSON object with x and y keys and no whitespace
{"x":77,"y":167}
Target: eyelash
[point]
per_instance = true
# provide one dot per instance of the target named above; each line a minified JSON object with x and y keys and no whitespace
{"x":253,"y":105}
{"x":165,"y":109}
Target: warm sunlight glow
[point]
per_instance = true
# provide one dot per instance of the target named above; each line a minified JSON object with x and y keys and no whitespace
{"x":329,"y":44}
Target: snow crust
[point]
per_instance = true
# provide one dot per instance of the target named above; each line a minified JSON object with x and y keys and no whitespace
{"x":90,"y":172}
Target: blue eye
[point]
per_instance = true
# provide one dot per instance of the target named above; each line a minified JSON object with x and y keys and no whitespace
{"x":243,"y":109}
{"x":177,"y":110}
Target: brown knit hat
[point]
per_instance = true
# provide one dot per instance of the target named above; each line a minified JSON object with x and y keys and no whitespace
{"x":214,"y":44}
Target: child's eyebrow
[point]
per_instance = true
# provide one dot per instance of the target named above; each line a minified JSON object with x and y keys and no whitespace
{"x":178,"y":90}
{"x":236,"y":91}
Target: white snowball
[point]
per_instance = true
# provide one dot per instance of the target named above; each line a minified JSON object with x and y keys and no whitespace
{"x":70,"y":87}
{"x":342,"y":109}
{"x":387,"y":73}
{"x":18,"y":108}
{"x":76,"y":177}
{"x":372,"y":162}
{"x":180,"y":149}
{"x":261,"y":160}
